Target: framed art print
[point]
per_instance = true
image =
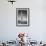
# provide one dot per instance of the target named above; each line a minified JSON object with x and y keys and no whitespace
{"x":22,"y":16}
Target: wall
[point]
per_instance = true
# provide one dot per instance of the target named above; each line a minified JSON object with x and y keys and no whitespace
{"x":37,"y":28}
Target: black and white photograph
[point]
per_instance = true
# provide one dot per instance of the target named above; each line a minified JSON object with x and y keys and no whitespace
{"x":22,"y":16}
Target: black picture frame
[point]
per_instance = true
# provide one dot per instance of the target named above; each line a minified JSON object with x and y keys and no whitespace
{"x":22,"y":16}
